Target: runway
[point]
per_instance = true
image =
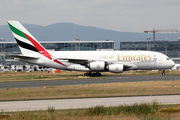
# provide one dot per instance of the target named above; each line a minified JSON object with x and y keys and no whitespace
{"x":103,"y":79}
{"x":84,"y":103}
{"x":9,"y":106}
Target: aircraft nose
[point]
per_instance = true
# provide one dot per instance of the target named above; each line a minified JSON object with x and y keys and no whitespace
{"x":172,"y":63}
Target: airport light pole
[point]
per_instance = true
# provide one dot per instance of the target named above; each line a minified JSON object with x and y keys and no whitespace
{"x":148,"y":47}
{"x":77,"y":44}
{"x":166,"y":49}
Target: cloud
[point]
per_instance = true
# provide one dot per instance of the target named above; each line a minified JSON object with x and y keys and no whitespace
{"x":18,"y":6}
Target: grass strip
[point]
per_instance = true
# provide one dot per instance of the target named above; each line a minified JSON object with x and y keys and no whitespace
{"x":147,"y":88}
{"x":144,"y":111}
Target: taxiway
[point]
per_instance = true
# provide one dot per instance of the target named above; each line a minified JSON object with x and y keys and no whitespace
{"x":103,"y":79}
{"x":84,"y":103}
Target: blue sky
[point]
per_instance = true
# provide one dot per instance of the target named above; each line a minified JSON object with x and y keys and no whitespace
{"x":118,"y":15}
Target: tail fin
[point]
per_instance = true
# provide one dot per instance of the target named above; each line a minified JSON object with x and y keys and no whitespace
{"x":26,"y":42}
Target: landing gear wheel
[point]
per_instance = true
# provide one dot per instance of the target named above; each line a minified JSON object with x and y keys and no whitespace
{"x":87,"y":74}
{"x":96,"y":74}
{"x":163,"y":73}
{"x":99,"y":74}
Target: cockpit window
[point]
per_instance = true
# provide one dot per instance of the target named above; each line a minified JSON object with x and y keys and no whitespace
{"x":168,"y":59}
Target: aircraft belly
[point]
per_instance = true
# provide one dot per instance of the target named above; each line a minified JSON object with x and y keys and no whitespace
{"x":145,"y":66}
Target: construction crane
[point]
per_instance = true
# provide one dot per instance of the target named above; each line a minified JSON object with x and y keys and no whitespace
{"x":166,"y":30}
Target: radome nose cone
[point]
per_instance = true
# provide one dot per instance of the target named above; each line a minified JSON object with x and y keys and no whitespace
{"x":172,"y":63}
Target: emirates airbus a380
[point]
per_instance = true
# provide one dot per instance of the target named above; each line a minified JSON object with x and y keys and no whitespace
{"x":90,"y":61}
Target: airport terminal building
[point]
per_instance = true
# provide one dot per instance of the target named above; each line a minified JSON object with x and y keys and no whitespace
{"x":12,"y":48}
{"x":169,"y":48}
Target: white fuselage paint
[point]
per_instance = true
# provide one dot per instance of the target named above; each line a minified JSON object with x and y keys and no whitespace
{"x":138,"y":60}
{"x":113,"y":61}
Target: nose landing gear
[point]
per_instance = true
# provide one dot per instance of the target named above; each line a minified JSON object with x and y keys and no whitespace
{"x":163,"y":73}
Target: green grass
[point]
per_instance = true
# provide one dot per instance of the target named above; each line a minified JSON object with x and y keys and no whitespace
{"x":140,"y":72}
{"x":136,"y":108}
{"x":144,"y":111}
{"x":147,"y":88}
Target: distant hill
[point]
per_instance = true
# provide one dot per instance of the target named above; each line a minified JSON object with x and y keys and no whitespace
{"x":70,"y":31}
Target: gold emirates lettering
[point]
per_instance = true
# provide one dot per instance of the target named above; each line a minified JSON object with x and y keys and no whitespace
{"x":134,"y":57}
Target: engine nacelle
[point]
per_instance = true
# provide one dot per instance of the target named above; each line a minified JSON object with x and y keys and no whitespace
{"x":97,"y":66}
{"x":78,"y":68}
{"x":116,"y":68}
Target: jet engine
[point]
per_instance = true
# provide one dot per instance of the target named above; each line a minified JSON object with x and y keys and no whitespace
{"x":116,"y":68}
{"x":97,"y":66}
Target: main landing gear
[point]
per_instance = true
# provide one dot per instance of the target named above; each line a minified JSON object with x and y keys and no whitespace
{"x":163,"y":73}
{"x":93,"y":74}
{"x":87,"y":74}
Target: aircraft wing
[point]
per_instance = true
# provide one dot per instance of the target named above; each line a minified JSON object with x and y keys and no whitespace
{"x":74,"y":60}
{"x":129,"y":67}
{"x":85,"y":61}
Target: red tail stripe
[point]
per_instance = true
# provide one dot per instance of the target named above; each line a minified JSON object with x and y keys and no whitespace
{"x":41,"y":49}
{"x":58,"y":62}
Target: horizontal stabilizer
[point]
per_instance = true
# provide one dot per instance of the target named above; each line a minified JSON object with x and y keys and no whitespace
{"x":22,"y":56}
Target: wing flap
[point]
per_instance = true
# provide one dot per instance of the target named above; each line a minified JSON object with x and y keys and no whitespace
{"x":74,"y":60}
